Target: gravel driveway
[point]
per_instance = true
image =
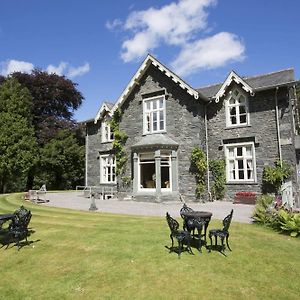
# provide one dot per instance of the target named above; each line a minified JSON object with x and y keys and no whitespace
{"x":75,"y":200}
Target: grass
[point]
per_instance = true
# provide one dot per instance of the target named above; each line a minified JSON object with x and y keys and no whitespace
{"x":85,"y":255}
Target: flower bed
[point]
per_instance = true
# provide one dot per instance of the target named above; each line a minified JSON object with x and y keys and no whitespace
{"x":245,"y":198}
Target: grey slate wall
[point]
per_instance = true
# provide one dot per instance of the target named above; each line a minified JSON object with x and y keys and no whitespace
{"x":262,"y":128}
{"x":184,"y":123}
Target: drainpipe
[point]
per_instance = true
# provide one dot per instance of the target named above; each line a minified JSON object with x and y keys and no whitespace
{"x":206,"y":145}
{"x":86,"y":156}
{"x":277,"y":125}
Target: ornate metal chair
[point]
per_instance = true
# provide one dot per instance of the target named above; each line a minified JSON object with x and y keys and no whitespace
{"x":186,"y":225}
{"x":182,"y":236}
{"x":18,"y":228}
{"x":221,"y":233}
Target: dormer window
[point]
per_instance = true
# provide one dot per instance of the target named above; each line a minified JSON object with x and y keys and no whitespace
{"x":107,"y":133}
{"x":237,"y":113}
{"x":154,"y":114}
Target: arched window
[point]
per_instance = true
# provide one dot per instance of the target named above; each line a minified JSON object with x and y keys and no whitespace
{"x":237,"y":112}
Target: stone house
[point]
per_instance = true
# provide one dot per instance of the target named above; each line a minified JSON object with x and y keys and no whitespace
{"x":247,"y":121}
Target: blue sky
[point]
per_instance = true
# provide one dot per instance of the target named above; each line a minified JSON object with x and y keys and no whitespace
{"x":100,"y":44}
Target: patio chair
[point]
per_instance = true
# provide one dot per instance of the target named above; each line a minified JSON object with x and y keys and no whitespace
{"x":18,"y":228}
{"x":221,"y":233}
{"x":182,"y":236}
{"x":186,"y":225}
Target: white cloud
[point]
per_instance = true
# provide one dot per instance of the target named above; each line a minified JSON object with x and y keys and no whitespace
{"x":183,"y":25}
{"x":59,"y":70}
{"x":12,"y":65}
{"x":173,"y":24}
{"x":79,"y":71}
{"x":209,"y":53}
{"x":112,"y":25}
{"x":65,"y":68}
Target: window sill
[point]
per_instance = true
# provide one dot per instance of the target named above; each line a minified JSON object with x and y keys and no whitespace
{"x":156,"y":132}
{"x":242,"y":182}
{"x":236,"y":126}
{"x":107,"y":142}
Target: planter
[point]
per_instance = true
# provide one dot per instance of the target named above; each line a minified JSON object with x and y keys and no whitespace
{"x":245,"y":198}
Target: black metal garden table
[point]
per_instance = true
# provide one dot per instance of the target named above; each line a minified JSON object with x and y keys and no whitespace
{"x":191,"y":218}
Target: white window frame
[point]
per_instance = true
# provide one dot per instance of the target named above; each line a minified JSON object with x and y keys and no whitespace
{"x":235,"y":158}
{"x":149,"y":113}
{"x":150,"y":155}
{"x":106,"y":169}
{"x":237,"y":106}
{"x":106,"y":135}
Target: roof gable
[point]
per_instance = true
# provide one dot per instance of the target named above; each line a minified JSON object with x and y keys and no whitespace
{"x":105,"y":107}
{"x":233,"y":77}
{"x":259,"y":82}
{"x":150,"y":60}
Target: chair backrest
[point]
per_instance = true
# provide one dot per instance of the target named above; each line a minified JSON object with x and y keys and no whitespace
{"x":227,"y":221}
{"x":22,"y":217}
{"x":184,"y":209}
{"x":173,"y":224}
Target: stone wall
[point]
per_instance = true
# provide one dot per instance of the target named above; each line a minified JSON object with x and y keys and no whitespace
{"x":184,"y":123}
{"x":262,"y":130}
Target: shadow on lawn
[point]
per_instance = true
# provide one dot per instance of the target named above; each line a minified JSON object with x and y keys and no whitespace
{"x":195,"y":246}
{"x":6,"y":239}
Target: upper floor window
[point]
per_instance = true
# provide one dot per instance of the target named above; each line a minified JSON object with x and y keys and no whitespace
{"x":107,"y":133}
{"x":240,"y":162}
{"x":154,"y":114}
{"x":107,"y":169}
{"x":237,"y":109}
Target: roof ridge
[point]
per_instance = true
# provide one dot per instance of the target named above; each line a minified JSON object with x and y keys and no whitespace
{"x":267,"y":74}
{"x":250,"y":77}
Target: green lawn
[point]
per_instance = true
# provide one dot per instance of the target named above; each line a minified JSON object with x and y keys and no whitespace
{"x":83,"y":255}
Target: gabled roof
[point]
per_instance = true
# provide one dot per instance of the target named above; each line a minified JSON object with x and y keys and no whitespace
{"x":259,"y":82}
{"x":233,"y":77}
{"x":150,"y":60}
{"x":105,"y":107}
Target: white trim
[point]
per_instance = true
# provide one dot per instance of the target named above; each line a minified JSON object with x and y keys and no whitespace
{"x":141,"y":71}
{"x":227,"y":158}
{"x":103,"y":179}
{"x":237,"y":79}
{"x":228,"y":105}
{"x":103,"y":108}
{"x":151,"y":99}
{"x":105,"y":124}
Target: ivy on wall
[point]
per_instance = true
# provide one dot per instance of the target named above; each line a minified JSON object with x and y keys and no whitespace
{"x":217,"y":168}
{"x":118,"y":143}
{"x":199,"y":166}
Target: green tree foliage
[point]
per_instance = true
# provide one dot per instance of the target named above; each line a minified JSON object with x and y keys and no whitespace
{"x":18,"y":145}
{"x":62,"y":162}
{"x":198,"y":167}
{"x":273,"y":177}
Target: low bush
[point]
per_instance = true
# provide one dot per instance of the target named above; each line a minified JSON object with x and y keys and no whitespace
{"x":267,"y":213}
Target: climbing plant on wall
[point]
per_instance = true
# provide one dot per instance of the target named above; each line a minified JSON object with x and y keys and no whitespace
{"x":119,"y":141}
{"x":217,"y":168}
{"x":199,"y":166}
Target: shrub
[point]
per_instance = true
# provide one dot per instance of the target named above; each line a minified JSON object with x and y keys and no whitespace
{"x":265,"y":213}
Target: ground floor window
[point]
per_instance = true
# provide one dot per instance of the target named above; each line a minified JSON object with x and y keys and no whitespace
{"x":107,"y":169}
{"x":149,"y":171}
{"x":240,"y":162}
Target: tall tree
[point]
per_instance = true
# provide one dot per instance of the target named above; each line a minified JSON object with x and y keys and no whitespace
{"x":62,"y":161}
{"x":54,"y":100}
{"x":18,"y":145}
